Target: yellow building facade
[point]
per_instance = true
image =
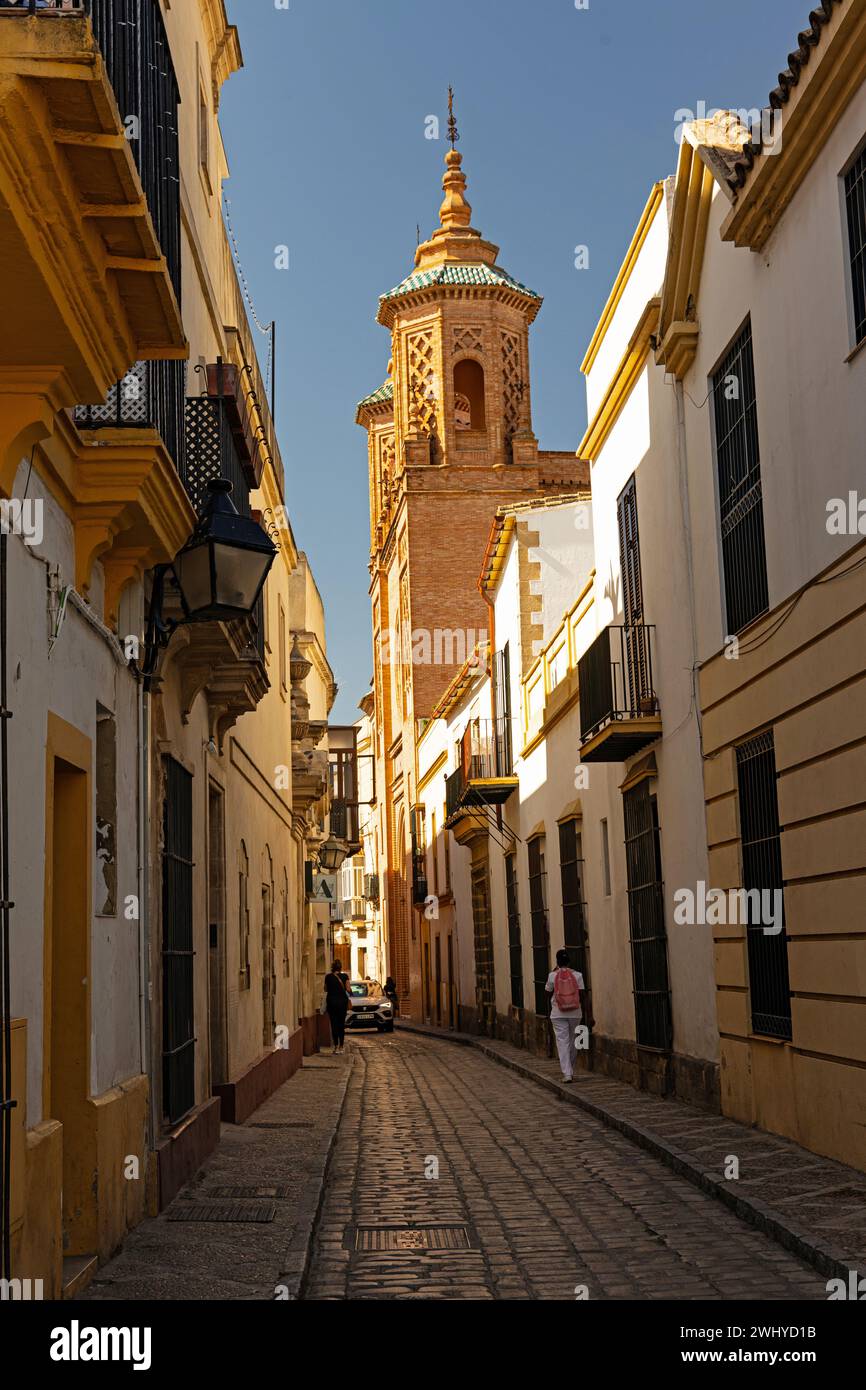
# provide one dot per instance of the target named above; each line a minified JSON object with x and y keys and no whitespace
{"x":162,"y":944}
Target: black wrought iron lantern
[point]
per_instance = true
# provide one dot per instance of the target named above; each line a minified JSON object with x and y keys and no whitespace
{"x":218,"y":576}
{"x":331,"y":854}
{"x":222,"y":569}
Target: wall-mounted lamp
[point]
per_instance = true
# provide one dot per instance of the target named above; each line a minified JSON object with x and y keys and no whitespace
{"x":218,"y":575}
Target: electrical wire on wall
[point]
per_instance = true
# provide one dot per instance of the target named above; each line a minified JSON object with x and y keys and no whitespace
{"x":266,"y":329}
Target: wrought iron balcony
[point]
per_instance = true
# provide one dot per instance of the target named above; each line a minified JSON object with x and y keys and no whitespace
{"x":371,"y":889}
{"x":90,"y":99}
{"x":344,"y":824}
{"x":150,"y":396}
{"x":133,"y":42}
{"x":485,"y":768}
{"x":619,"y":709}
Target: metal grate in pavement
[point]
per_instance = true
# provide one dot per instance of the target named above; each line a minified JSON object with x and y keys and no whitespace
{"x":412,"y":1238}
{"x":247,"y":1194}
{"x":223,"y":1211}
{"x":281,"y":1124}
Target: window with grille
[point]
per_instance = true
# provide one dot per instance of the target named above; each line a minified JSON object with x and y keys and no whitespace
{"x":855,"y":204}
{"x":538,"y":916}
{"x":244,"y":917}
{"x":762,"y":869}
{"x":515,"y":953}
{"x":738,"y":462}
{"x":646,"y":918}
{"x":178,"y":955}
{"x":573,"y":900}
{"x":636,"y":683}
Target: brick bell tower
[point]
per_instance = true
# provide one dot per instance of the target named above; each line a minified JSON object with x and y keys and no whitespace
{"x":449,"y":441}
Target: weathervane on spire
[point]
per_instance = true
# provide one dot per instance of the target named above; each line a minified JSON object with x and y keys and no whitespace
{"x":452,"y":120}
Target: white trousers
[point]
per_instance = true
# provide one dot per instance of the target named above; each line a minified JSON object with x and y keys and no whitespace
{"x":563,"y":1029}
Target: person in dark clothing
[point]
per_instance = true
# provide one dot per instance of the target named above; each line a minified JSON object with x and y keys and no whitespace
{"x":337,"y":1003}
{"x":391,"y":991}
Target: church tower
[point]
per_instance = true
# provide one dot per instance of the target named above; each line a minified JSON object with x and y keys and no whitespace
{"x":449,"y":441}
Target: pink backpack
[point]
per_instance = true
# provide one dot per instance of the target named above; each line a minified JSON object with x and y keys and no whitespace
{"x":566,"y":990}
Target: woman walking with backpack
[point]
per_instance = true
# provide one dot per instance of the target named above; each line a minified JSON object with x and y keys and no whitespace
{"x":567,"y":987}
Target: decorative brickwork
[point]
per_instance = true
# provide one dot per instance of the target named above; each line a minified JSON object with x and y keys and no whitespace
{"x":446,"y":482}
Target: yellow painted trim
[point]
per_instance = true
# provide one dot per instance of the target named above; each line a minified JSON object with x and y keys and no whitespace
{"x":678,"y":313}
{"x":644,"y":227}
{"x":834,"y":75}
{"x":549,"y":722}
{"x":107,"y":300}
{"x":437,"y":766}
{"x":68,"y":744}
{"x":621,"y":385}
{"x":125,"y":500}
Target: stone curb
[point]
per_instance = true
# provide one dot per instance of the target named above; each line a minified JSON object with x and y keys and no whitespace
{"x":772,"y":1223}
{"x":296,"y":1262}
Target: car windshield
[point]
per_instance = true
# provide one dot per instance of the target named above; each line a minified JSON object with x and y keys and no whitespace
{"x":360,"y":991}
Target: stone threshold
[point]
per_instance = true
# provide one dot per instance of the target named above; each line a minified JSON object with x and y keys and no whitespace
{"x":680,"y":1135}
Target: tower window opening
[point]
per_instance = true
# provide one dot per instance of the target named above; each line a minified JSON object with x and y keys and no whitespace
{"x":469,"y":413}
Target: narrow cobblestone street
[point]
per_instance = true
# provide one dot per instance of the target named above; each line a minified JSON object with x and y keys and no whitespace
{"x":552,"y":1202}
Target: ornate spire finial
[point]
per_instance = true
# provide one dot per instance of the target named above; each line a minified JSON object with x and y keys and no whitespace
{"x":452,"y":119}
{"x":455,"y":211}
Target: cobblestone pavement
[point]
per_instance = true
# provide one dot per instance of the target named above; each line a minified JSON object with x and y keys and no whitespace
{"x":283,"y":1145}
{"x":550,"y":1198}
{"x":820,"y":1202}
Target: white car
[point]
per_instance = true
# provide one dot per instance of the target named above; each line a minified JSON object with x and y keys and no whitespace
{"x":370,"y":1007}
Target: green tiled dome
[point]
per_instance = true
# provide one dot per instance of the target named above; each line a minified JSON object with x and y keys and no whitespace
{"x":384,"y":393}
{"x":459,"y":275}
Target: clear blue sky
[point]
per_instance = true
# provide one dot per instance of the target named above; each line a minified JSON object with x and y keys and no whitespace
{"x":566,"y":118}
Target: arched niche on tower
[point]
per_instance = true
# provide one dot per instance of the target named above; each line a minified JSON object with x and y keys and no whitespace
{"x":470,"y":411}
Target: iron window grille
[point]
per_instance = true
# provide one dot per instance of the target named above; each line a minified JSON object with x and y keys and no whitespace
{"x":646,"y":915}
{"x":761,"y":842}
{"x":635,"y":647}
{"x":502,"y":711}
{"x":855,"y":205}
{"x":178,"y":955}
{"x":540,"y":927}
{"x":738,"y":462}
{"x":515,"y":952}
{"x":485,"y":988}
{"x":573,"y":899}
{"x":419,"y":857}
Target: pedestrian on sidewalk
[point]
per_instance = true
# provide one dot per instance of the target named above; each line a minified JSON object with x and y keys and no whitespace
{"x":391,"y":992}
{"x":337,"y":1003}
{"x":566,"y":1012}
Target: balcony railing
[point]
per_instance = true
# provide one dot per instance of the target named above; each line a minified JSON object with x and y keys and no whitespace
{"x":454,"y":787}
{"x":371,"y":889}
{"x":131,"y":35}
{"x":211,"y":452}
{"x":150,"y":396}
{"x":485,"y":766}
{"x":617,"y":692}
